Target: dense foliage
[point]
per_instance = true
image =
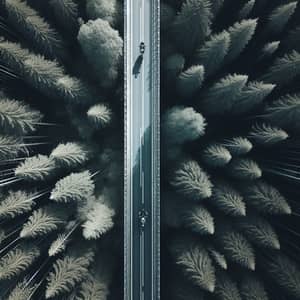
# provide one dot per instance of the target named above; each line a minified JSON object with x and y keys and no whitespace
{"x":230,"y":141}
{"x":61,"y":149}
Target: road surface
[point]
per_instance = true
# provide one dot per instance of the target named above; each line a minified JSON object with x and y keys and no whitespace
{"x":142,"y":150}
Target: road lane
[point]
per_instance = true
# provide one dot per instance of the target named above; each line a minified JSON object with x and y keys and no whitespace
{"x":141,"y":150}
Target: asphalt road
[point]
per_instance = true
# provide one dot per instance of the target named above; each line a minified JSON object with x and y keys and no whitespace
{"x":142,"y":149}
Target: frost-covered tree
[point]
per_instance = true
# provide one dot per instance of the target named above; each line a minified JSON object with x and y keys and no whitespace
{"x":284,"y":112}
{"x":267,"y":135}
{"x":252,"y":288}
{"x":11,"y":146}
{"x":216,"y":155}
{"x":199,"y":219}
{"x":240,"y":35}
{"x":34,"y":28}
{"x":51,"y":116}
{"x":109,"y":10}
{"x":45,"y":75}
{"x":17,"y":203}
{"x":17,"y":117}
{"x":44,"y":221}
{"x":190,"y":80}
{"x":102,"y":46}
{"x":211,"y":55}
{"x":17,"y":261}
{"x":284,"y":69}
{"x":244,"y":165}
{"x":194,"y":14}
{"x":285,"y":273}
{"x":191,"y":181}
{"x":228,"y":200}
{"x":100,"y":115}
{"x":76,"y":187}
{"x":198,"y":266}
{"x":246,"y":9}
{"x":34,"y":168}
{"x":67,"y":272}
{"x":222,"y":96}
{"x":99,"y":221}
{"x":71,"y":154}
{"x":266,"y":199}
{"x":191,"y":126}
{"x":279,"y":17}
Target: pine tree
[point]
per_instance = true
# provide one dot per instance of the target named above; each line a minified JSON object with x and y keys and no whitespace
{"x":13,"y":56}
{"x":251,"y":97}
{"x":228,"y":200}
{"x":37,"y":66}
{"x":267,"y":135}
{"x":285,"y":273}
{"x":279,"y":18}
{"x":37,"y":32}
{"x":94,"y":287}
{"x":269,"y":49}
{"x":198,"y":266}
{"x":109,"y":10}
{"x":211,"y":55}
{"x":251,"y":288}
{"x":216,"y":155}
{"x":218,"y":258}
{"x":199,"y":220}
{"x":226,"y":288}
{"x":236,"y":248}
{"x":284,"y":112}
{"x":17,"y":261}
{"x":246,"y":10}
{"x":70,"y":154}
{"x":47,"y":76}
{"x":98,"y":39}
{"x":11,"y":146}
{"x":244,"y":169}
{"x":99,"y":221}
{"x":266,"y":199}
{"x":284,"y":69}
{"x":222,"y":96}
{"x":18,"y":117}
{"x":191,"y":181}
{"x":36,"y":168}
{"x":44,"y":221}
{"x":259,"y":231}
{"x":240,"y":35}
{"x":100,"y":115}
{"x":194,"y":14}
{"x":58,"y":246}
{"x":190,"y":80}
{"x":76,"y":187}
{"x":191,"y":125}
{"x":67,"y":273}
{"x":17,"y":203}
{"x":237,"y":146}
{"x":21,"y":291}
